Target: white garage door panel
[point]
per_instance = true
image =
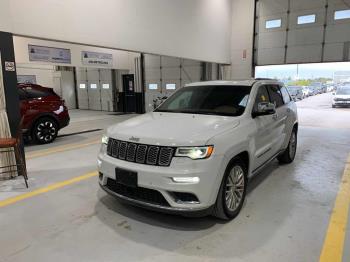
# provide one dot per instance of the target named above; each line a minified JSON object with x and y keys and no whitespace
{"x":192,"y":73}
{"x":302,"y":5}
{"x":170,"y":62}
{"x":152,"y":73}
{"x":273,"y":39}
{"x":83,"y":98}
{"x":304,"y":54}
{"x":320,"y":18}
{"x":270,"y":7}
{"x":271,"y":56}
{"x":187,"y":62}
{"x":94,"y":93}
{"x":152,"y":61}
{"x":333,"y":52}
{"x":106,"y":94}
{"x":305,"y":36}
{"x":338,"y":33}
{"x":263,"y":19}
{"x":171,"y":72}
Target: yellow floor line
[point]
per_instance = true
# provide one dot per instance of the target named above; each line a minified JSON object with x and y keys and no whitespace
{"x":43,"y":190}
{"x":334,"y":242}
{"x":59,"y":149}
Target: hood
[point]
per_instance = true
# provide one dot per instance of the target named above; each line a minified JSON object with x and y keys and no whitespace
{"x":172,"y":129}
{"x":342,"y":96}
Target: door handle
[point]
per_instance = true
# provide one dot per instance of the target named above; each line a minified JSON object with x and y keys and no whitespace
{"x":275,"y":116}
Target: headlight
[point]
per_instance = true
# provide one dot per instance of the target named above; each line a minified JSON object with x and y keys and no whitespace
{"x":199,"y":152}
{"x":105,"y":139}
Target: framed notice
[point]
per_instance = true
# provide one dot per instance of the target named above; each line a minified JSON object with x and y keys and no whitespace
{"x":49,"y":54}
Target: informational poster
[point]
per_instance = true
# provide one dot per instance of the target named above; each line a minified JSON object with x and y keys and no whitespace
{"x":27,"y":79}
{"x":98,"y":59}
{"x":49,"y":54}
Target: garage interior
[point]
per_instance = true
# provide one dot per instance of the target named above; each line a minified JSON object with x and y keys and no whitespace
{"x":126,"y":65}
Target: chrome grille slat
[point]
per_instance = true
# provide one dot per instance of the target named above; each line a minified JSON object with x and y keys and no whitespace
{"x":152,"y":155}
{"x":140,"y":153}
{"x":130,"y":156}
{"x":122,"y":150}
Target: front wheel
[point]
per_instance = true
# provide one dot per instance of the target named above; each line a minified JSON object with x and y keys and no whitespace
{"x":45,"y":130}
{"x":232,"y":191}
{"x":288,"y":155}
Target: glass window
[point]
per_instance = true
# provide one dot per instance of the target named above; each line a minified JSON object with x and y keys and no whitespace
{"x":93,"y":86}
{"x":306,"y":19}
{"x":342,"y":14}
{"x":170,"y":86}
{"x":208,"y":100}
{"x":285,"y":94}
{"x":261,"y":96}
{"x":82,"y":86}
{"x":105,"y":86}
{"x":275,"y":95}
{"x":273,"y":23}
{"x":34,"y":93}
{"x":153,"y":86}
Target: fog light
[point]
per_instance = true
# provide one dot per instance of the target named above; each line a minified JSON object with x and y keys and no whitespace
{"x":99,"y":163}
{"x":192,"y":180}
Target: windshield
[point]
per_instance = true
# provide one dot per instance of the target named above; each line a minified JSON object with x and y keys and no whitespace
{"x":208,"y":100}
{"x":343,"y":91}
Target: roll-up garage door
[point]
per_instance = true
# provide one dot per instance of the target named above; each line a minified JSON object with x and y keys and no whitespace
{"x":95,"y":89}
{"x":164,"y":75}
{"x":299,"y":31}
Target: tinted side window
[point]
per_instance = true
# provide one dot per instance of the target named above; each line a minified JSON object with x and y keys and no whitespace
{"x":261,"y":96}
{"x":22,"y":94}
{"x":33,"y":93}
{"x":285,"y":94}
{"x":275,"y":95}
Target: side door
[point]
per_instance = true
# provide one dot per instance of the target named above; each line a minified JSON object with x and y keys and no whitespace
{"x":279,"y":118}
{"x":264,"y":136}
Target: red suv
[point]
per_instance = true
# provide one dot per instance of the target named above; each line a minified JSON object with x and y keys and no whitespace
{"x":44,"y":112}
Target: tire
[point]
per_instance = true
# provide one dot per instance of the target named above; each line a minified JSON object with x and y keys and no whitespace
{"x":44,"y":130}
{"x":224,"y":209}
{"x":288,"y":155}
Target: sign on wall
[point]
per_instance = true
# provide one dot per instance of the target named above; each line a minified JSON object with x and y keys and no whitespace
{"x":94,"y":58}
{"x":49,"y":54}
{"x":27,"y":79}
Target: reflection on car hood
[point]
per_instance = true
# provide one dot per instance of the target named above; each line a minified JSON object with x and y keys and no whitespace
{"x":172,"y":129}
{"x":342,"y":97}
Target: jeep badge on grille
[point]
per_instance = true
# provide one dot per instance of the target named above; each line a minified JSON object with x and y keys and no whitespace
{"x":135,"y":139}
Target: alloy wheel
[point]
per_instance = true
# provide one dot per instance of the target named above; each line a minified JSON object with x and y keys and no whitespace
{"x":234,"y":189}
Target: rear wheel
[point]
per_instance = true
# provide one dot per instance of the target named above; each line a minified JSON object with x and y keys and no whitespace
{"x":288,"y":155}
{"x":232,"y":191}
{"x":45,"y":130}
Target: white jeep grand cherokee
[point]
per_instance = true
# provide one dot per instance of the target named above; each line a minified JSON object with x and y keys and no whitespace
{"x":195,"y":153}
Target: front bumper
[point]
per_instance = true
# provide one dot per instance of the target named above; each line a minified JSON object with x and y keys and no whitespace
{"x":209,"y":171}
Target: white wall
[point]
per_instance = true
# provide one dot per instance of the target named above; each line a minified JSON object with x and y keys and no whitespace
{"x":43,"y":73}
{"x":196,"y":29}
{"x":241,"y":40}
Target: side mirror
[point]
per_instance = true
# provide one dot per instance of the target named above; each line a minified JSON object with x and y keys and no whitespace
{"x":265,"y":108}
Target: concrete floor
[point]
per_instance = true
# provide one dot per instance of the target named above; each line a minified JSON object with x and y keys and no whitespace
{"x":285,"y":216}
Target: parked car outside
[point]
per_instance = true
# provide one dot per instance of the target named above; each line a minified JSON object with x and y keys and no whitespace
{"x":195,"y":153}
{"x":341,"y":97}
{"x":296,"y":92}
{"x":306,"y":91}
{"x":44,"y":112}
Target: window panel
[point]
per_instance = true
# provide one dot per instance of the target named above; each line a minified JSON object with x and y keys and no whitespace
{"x":273,"y":23}
{"x":342,"y":14}
{"x":306,"y":19}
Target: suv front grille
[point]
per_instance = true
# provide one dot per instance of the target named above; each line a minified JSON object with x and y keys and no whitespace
{"x":140,"y":153}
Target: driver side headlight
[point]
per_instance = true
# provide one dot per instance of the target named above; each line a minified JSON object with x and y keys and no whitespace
{"x":198,"y":152}
{"x":105,"y":139}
